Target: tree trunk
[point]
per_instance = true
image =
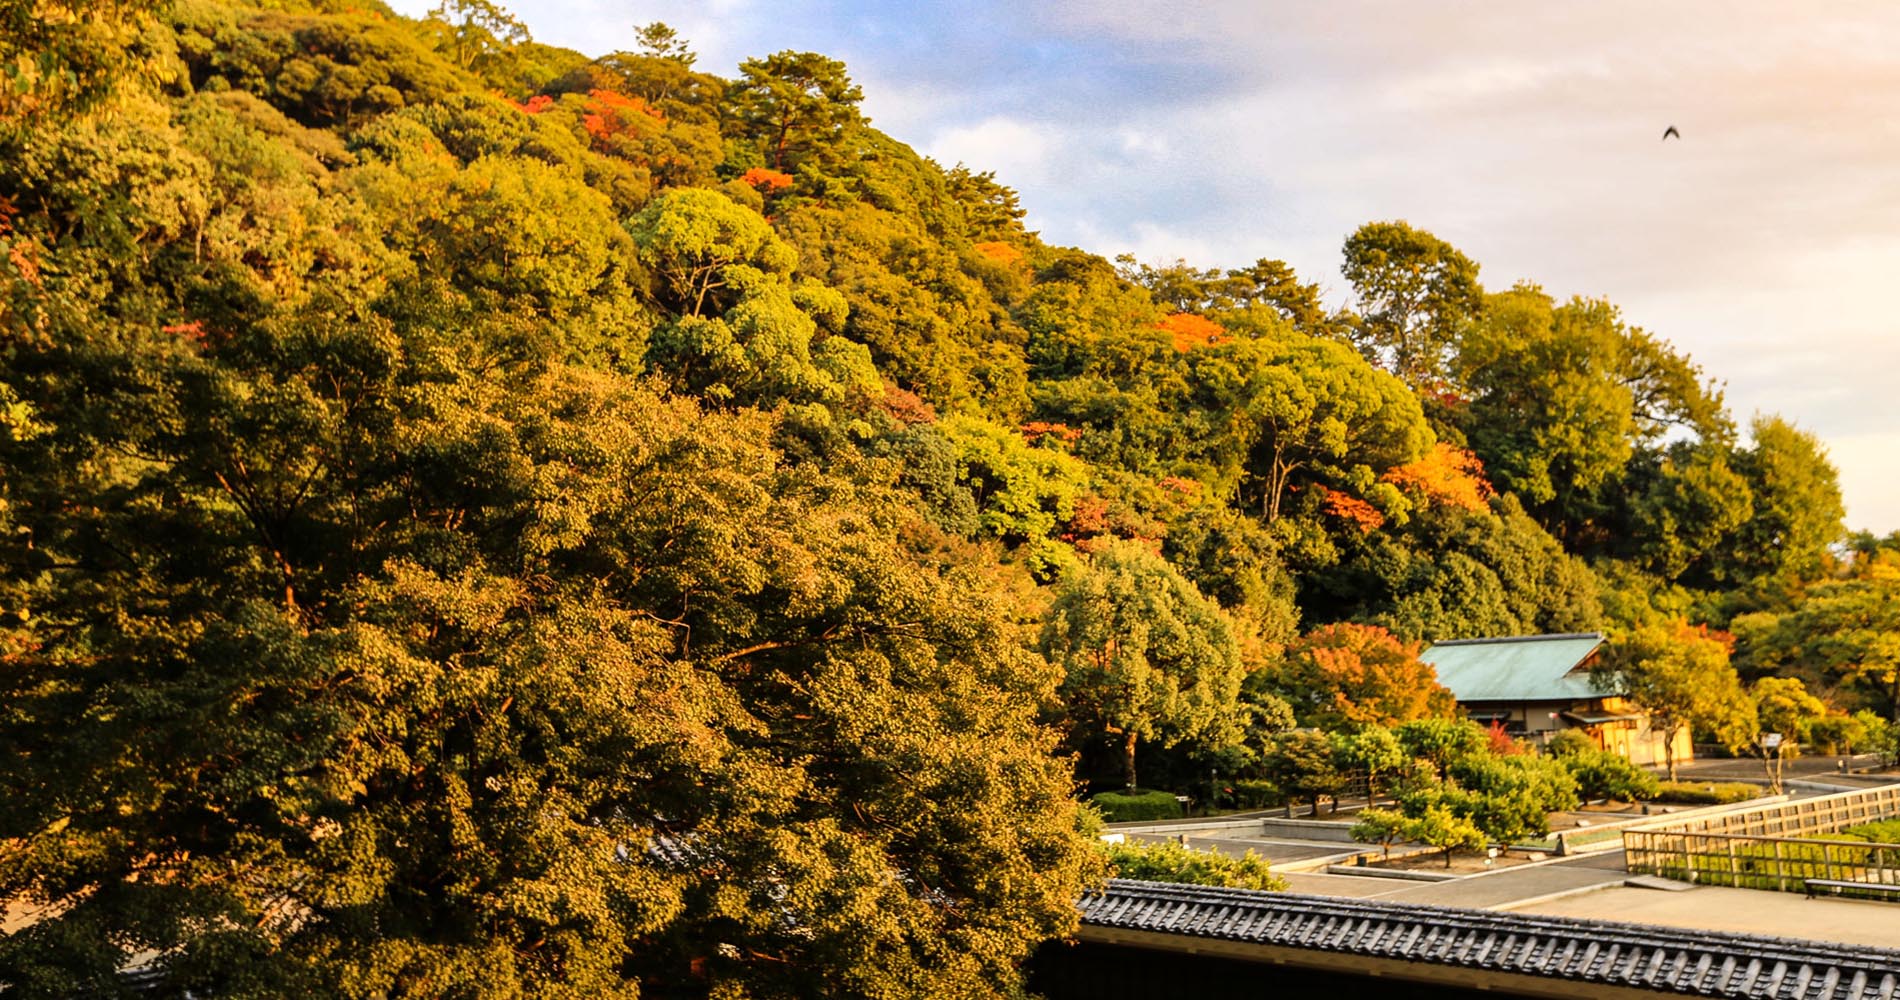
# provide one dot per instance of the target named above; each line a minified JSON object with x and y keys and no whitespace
{"x":1669,"y":750}
{"x":1448,"y":857}
{"x":1128,"y":757}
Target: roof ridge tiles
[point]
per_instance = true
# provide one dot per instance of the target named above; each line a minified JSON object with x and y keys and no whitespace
{"x":1713,"y":963}
{"x":1547,"y":637}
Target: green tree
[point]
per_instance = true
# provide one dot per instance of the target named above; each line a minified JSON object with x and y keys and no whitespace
{"x":1304,"y":765}
{"x":793,"y":102}
{"x":1564,"y":398}
{"x":1510,"y":797}
{"x":1681,"y":677}
{"x":1232,"y":558}
{"x":476,"y":28}
{"x":1294,"y":410}
{"x":699,"y":243}
{"x":1022,"y":492}
{"x":1682,"y":503}
{"x":1379,"y":826}
{"x":599,"y":622}
{"x":1436,"y":825}
{"x":659,"y":41}
{"x":747,"y":333}
{"x":1170,"y":862}
{"x":1783,"y":712}
{"x":60,"y":56}
{"x":1143,"y":654}
{"x":1274,"y":285}
{"x":1440,"y":742}
{"x":1599,"y":773}
{"x":1374,"y":751}
{"x":1797,"y":508}
{"x":1416,"y":292}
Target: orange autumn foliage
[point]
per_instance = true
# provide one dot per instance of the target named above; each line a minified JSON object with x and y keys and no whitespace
{"x":1090,"y":517}
{"x":906,"y":407}
{"x":1344,"y":675}
{"x":609,"y":114}
{"x":766,"y":179}
{"x":1036,"y":430}
{"x":1350,"y":508}
{"x":1002,"y":253}
{"x":1448,"y":476}
{"x":1188,"y":331}
{"x":193,"y":331}
{"x":535,"y":105}
{"x":1500,"y":742}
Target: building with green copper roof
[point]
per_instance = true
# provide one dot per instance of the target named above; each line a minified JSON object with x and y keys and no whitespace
{"x":1538,"y":685}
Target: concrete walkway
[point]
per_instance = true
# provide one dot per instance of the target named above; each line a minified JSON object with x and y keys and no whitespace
{"x":1514,"y":887}
{"x":1751,"y":769}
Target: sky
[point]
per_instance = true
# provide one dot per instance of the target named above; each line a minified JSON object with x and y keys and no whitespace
{"x":1765,"y":243}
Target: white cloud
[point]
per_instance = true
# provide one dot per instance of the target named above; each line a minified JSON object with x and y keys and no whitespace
{"x":1019,"y":152}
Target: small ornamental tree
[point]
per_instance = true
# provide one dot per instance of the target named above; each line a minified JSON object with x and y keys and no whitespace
{"x":1440,"y":742}
{"x":1510,"y":798}
{"x":1601,"y":774}
{"x":1437,"y":826}
{"x":1303,"y":763}
{"x":1375,"y":751}
{"x":1569,"y":743}
{"x":1783,"y":707}
{"x":1380,"y":826}
{"x":1171,"y":862}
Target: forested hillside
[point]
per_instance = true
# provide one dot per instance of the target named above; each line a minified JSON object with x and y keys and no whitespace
{"x":482,"y":520}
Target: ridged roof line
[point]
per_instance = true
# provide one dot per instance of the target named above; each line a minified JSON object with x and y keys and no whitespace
{"x":1519,"y":638}
{"x":1638,"y":956}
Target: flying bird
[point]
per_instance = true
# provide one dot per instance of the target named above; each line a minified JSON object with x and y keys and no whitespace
{"x":1671,"y":131}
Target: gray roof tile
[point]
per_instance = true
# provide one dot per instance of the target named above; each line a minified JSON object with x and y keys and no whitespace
{"x":1708,"y":963}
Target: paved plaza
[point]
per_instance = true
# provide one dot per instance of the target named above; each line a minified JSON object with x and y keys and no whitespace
{"x":1595,"y":886}
{"x":1753,"y":911}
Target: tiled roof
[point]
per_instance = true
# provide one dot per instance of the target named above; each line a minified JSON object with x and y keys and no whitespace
{"x":1519,"y":668}
{"x":1634,"y":956}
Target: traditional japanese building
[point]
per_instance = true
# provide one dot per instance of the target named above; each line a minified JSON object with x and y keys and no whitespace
{"x":1536,"y":686}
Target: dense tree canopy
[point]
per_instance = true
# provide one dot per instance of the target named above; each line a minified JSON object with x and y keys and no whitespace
{"x":482,"y":519}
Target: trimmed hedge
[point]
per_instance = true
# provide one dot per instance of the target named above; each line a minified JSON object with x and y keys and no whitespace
{"x":1885,"y":831}
{"x":1136,"y":804}
{"x":1171,"y":862}
{"x":1707,"y":793}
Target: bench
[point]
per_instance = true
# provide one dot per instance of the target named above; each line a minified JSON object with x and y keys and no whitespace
{"x":1842,"y":885}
